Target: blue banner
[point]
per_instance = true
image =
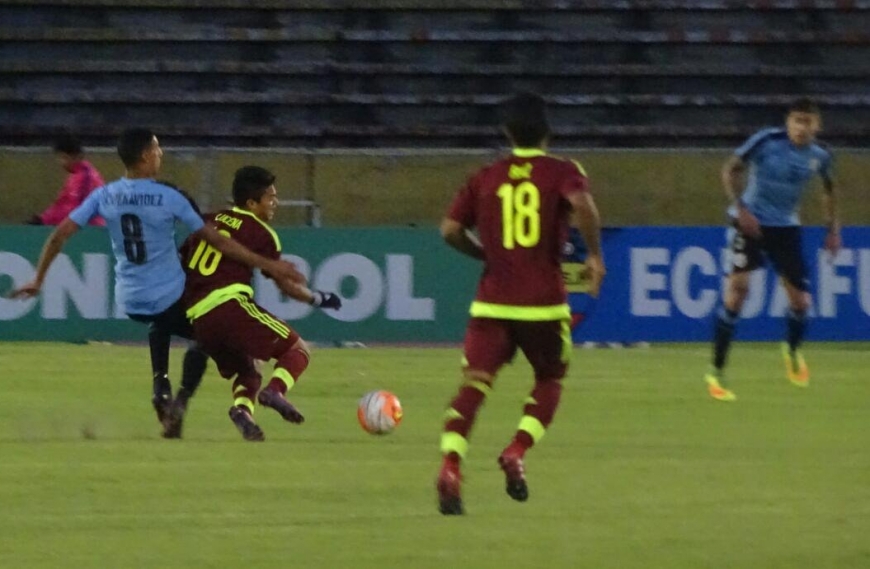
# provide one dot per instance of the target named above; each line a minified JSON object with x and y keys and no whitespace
{"x":663,"y":284}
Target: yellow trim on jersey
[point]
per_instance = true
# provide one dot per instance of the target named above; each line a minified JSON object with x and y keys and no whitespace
{"x":528,"y":152}
{"x":241,"y":294}
{"x":581,"y":168}
{"x":535,"y":152}
{"x":263,"y":223}
{"x":527,"y":313}
{"x":520,"y":171}
{"x":217,"y":297}
{"x":268,"y":320}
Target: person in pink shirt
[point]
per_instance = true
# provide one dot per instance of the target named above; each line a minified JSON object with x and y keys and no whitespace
{"x":81,"y":180}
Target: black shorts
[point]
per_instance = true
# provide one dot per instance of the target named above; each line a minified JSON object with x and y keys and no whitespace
{"x":782,"y":245}
{"x":172,"y":321}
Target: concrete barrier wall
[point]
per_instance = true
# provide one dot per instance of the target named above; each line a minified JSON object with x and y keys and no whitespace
{"x":402,"y":187}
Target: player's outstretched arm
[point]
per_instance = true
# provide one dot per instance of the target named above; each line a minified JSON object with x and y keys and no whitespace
{"x":732,"y":182}
{"x":278,"y":269}
{"x":732,"y":175}
{"x":587,"y":220}
{"x":458,"y":237}
{"x":50,"y":250}
{"x":302,"y":293}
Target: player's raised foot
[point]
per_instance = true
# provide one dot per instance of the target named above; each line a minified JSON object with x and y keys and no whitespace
{"x":795,"y":367}
{"x":277,"y":401}
{"x":161,"y":403}
{"x":243,"y":421}
{"x":515,"y":476}
{"x":715,"y":389}
{"x":449,"y":486}
{"x":174,"y":420}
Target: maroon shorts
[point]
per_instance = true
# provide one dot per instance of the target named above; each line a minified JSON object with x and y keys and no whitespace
{"x":239,"y":331}
{"x":490,"y":343}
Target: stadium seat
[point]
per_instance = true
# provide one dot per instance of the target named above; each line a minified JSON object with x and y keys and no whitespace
{"x":428,"y":72}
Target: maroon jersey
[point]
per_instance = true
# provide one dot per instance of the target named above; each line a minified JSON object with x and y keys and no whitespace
{"x":213,"y":278}
{"x":520,"y":208}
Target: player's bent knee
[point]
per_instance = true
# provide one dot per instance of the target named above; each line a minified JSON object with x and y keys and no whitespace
{"x":740,"y":290}
{"x":478,"y":375}
{"x":736,"y":297}
{"x":556,"y":375}
{"x":801,"y":303}
{"x":303,"y":346}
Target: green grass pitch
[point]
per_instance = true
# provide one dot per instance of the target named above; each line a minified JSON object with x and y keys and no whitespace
{"x":640,"y":469}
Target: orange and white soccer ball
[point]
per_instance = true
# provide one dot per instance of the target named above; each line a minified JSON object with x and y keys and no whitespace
{"x":379,"y":412}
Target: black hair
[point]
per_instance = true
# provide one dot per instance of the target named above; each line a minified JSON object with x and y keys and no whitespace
{"x":132,"y":143}
{"x":524,"y":116}
{"x":187,"y":196}
{"x":804,"y":105}
{"x":250,"y":183}
{"x":68,"y":143}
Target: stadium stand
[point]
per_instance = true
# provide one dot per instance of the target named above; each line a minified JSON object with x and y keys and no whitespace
{"x":428,"y":72}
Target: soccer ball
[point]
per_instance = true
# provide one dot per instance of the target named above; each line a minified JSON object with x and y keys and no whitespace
{"x":379,"y":412}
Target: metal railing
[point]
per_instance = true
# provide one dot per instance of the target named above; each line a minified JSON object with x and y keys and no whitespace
{"x":311,"y":207}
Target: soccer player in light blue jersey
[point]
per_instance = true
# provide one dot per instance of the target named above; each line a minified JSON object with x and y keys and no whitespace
{"x":765,"y":223}
{"x":140,"y":215}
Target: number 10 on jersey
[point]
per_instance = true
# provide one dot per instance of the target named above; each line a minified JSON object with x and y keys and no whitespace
{"x":520,"y":214}
{"x":207,"y":257}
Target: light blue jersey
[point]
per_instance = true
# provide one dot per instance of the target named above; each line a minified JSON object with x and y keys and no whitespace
{"x":778,"y":175}
{"x":140,"y":215}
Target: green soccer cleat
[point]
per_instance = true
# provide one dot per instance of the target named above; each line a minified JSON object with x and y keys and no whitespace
{"x":715,"y":389}
{"x":796,"y":369}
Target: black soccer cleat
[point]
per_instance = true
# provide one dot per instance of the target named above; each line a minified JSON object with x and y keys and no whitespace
{"x":451,"y":506}
{"x":276,"y":401}
{"x":161,"y":403}
{"x":174,"y":419}
{"x":449,"y":486}
{"x":241,"y":417}
{"x":515,"y":476}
